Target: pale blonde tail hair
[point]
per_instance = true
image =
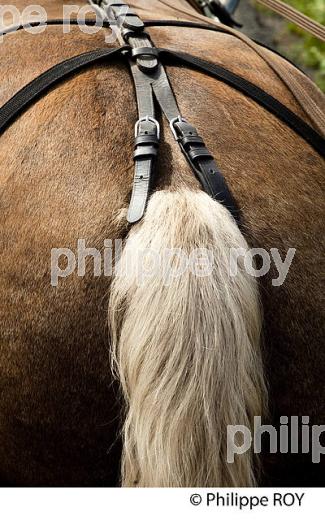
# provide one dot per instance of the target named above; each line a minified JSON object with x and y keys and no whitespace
{"x":187,"y":352}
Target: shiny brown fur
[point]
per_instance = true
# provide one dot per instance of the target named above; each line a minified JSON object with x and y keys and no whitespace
{"x":66,"y":172}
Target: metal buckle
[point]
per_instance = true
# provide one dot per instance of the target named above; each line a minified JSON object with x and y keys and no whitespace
{"x":147,"y":118}
{"x":178,"y":119}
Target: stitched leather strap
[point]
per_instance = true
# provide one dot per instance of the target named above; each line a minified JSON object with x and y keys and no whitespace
{"x":40,"y":85}
{"x":147,"y":134}
{"x":146,"y":150}
{"x":264,"y":99}
{"x":302,"y":89}
{"x":192,"y":145}
{"x":204,"y":165}
{"x":143,"y":62}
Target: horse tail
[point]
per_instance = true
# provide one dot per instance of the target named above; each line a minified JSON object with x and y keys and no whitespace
{"x":185,"y":346}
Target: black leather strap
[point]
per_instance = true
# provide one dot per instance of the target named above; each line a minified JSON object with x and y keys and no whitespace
{"x":146,"y":149}
{"x":208,"y":27}
{"x":147,"y":23}
{"x":147,"y":134}
{"x":204,"y":165}
{"x":191,"y":144}
{"x":261,"y":97}
{"x":39,"y":86}
{"x":143,"y":62}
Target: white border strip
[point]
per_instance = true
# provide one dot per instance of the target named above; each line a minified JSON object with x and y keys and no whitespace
{"x":104,"y":503}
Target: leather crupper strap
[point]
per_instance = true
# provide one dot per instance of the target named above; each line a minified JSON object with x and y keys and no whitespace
{"x":203,"y":163}
{"x":143,"y":60}
{"x":151,"y":81}
{"x":146,"y":145}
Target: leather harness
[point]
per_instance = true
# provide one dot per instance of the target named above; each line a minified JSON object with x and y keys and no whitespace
{"x":151,"y":81}
{"x":152,"y":84}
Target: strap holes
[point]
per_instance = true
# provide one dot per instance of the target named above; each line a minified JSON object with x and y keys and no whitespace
{"x":212,"y":171}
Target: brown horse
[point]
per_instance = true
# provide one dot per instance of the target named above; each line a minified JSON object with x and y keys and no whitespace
{"x":187,"y":354}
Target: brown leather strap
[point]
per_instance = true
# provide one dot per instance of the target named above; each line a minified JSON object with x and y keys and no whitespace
{"x":296,"y":17}
{"x":306,"y":93}
{"x":288,"y":12}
